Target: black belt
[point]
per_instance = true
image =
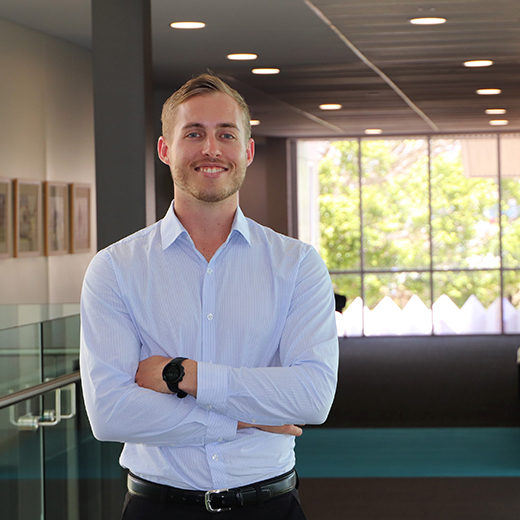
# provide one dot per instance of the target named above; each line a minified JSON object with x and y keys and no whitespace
{"x":215,"y":500}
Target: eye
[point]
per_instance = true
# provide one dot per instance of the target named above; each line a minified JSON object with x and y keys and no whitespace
{"x":228,"y":136}
{"x":193,"y":135}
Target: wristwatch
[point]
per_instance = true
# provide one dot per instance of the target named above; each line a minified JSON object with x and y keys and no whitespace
{"x":172,"y":375}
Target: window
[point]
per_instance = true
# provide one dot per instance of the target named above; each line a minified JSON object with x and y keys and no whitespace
{"x":421,"y":234}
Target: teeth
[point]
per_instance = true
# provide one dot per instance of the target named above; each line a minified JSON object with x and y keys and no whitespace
{"x":211,"y":170}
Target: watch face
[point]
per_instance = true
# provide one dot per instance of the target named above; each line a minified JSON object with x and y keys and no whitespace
{"x":172,"y":373}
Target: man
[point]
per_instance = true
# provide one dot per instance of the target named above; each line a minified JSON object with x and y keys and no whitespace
{"x":207,"y":338}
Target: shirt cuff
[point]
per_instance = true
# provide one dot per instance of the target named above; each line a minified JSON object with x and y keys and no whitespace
{"x":220,"y":428}
{"x":212,"y":387}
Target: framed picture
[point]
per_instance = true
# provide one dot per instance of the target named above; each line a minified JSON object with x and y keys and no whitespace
{"x":80,"y":217}
{"x":5,"y":218}
{"x":27,"y":218}
{"x":56,"y":218}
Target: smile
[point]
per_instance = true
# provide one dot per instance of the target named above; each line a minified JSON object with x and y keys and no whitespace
{"x":211,"y":169}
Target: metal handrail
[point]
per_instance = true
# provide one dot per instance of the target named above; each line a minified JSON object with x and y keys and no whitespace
{"x":42,"y":388}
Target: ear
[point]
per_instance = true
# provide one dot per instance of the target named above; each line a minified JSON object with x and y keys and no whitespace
{"x":162,"y":150}
{"x":250,"y":151}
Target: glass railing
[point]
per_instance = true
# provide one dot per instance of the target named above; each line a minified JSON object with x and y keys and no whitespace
{"x":51,"y":467}
{"x":30,"y":313}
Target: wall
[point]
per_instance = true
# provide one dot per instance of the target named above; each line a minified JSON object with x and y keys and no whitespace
{"x":46,"y":133}
{"x":427,"y":382}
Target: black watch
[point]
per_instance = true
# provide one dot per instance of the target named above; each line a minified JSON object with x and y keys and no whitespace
{"x":172,"y":374}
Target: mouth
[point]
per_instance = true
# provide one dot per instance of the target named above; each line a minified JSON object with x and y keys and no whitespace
{"x":211,"y":170}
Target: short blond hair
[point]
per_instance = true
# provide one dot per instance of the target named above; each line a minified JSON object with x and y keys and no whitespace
{"x":198,"y":86}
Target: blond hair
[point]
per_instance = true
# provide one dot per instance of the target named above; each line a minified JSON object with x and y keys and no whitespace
{"x":198,"y":86}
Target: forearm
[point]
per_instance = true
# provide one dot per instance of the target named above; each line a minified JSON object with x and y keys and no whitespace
{"x":270,"y":396}
{"x":149,"y":376}
{"x":119,"y":410}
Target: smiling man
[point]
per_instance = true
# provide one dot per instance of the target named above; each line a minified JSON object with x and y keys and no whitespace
{"x":206,"y":337}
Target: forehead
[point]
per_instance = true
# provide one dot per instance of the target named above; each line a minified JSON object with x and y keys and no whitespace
{"x":209,"y":110}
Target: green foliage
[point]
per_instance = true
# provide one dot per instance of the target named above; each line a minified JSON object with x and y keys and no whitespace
{"x":395,"y":235}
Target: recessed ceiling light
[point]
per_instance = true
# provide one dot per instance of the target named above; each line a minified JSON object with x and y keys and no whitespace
{"x":187,"y":25}
{"x":373,"y":131}
{"x":488,"y":91}
{"x":243,"y":56}
{"x":478,"y":63}
{"x":255,"y":122}
{"x":330,"y":106}
{"x":495,"y":111}
{"x":265,"y":71}
{"x":499,"y":122}
{"x":431,"y":20}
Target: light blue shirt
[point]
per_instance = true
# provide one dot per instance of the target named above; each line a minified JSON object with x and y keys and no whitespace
{"x":258,"y":319}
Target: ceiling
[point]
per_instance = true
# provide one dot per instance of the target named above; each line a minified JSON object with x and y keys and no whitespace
{"x":363,"y":54}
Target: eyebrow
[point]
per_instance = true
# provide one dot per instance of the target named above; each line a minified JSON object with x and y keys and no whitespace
{"x":200,"y":125}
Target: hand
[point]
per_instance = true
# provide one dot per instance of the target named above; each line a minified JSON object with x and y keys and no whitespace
{"x":286,"y":429}
{"x":149,"y":375}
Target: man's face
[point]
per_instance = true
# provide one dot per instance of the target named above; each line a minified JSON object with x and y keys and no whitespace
{"x":209,"y":151}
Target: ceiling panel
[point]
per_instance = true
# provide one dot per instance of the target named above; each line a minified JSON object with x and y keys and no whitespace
{"x":382,"y":69}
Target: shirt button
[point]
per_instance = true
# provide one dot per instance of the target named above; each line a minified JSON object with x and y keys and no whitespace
{"x":209,"y":316}
{"x":253,"y":421}
{"x":220,"y":440}
{"x":215,"y":457}
{"x":209,"y":271}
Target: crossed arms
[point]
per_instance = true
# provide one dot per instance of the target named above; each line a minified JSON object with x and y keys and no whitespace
{"x":149,"y":376}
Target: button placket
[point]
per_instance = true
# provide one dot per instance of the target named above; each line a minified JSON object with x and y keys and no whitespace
{"x":208,"y":314}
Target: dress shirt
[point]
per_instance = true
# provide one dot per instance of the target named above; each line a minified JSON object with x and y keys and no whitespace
{"x":259,"y":320}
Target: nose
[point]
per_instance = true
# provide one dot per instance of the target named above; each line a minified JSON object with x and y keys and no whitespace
{"x":211,"y":147}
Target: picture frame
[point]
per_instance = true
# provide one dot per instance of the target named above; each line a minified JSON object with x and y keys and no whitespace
{"x":27,"y":218}
{"x":56,"y":218}
{"x":6,"y":218}
{"x":80,"y":203}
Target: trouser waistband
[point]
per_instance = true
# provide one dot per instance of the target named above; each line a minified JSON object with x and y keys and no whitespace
{"x":215,"y":500}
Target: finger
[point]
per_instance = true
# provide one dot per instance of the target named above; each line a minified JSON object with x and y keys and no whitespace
{"x":295,"y":430}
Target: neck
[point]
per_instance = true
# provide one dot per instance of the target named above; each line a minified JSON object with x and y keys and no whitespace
{"x":208,"y":223}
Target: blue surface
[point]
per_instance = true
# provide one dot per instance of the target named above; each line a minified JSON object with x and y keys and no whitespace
{"x":413,"y":452}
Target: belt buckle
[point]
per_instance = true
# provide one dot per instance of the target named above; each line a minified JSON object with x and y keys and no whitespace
{"x":207,"y":501}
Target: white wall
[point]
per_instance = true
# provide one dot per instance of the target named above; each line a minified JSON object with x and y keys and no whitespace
{"x":46,"y":133}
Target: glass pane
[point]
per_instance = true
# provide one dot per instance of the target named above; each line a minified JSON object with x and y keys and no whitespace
{"x":60,"y":340}
{"x":339,"y":206}
{"x":467,"y":302}
{"x":61,"y":458}
{"x":21,"y":467}
{"x":511,"y":302}
{"x":395,"y":204}
{"x":510,"y":172}
{"x":14,"y":315}
{"x":397,"y":304}
{"x":103,"y":481}
{"x":349,"y":319}
{"x":464,"y":190}
{"x":20,"y":358}
{"x":309,"y":155}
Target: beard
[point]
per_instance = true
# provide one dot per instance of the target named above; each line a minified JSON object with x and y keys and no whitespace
{"x":184,"y":179}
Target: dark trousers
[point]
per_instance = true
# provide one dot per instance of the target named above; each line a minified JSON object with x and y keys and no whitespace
{"x":283,"y":507}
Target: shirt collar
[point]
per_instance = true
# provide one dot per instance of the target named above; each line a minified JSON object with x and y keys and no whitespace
{"x":172,"y":229}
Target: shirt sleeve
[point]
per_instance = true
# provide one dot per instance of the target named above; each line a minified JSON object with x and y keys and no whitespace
{"x":302,"y":388}
{"x":118,"y":409}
